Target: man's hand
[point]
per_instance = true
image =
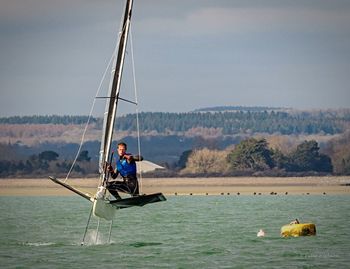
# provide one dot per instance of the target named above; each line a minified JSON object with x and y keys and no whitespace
{"x":110,"y":168}
{"x":128,"y":157}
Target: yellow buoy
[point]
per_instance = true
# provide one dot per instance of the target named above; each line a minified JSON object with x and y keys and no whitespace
{"x":301,"y":229}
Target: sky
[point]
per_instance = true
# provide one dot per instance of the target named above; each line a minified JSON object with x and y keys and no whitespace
{"x":188,"y":54}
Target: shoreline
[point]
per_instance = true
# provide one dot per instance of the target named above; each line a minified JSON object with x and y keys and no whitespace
{"x":330,"y":185}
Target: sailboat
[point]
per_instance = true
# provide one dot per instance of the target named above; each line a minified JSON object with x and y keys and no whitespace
{"x":103,"y":206}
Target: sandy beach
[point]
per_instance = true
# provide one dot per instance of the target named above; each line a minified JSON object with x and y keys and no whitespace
{"x":192,"y":186}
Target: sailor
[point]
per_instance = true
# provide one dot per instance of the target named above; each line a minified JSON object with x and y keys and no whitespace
{"x":126,"y":167}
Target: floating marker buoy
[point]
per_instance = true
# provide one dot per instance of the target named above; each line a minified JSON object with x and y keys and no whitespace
{"x":261,"y":233}
{"x":300,"y":229}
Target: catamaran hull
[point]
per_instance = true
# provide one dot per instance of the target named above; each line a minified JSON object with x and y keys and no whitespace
{"x":103,"y":209}
{"x":106,"y":209}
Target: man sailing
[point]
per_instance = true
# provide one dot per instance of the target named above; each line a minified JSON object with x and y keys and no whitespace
{"x":126,"y":167}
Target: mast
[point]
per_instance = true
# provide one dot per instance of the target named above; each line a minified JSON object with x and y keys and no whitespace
{"x":114,"y":88}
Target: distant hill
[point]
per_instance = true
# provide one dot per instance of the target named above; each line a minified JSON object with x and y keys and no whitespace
{"x":165,"y":137}
{"x":216,"y":121}
{"x":240,"y":122}
{"x":240,"y":108}
{"x":48,"y":119}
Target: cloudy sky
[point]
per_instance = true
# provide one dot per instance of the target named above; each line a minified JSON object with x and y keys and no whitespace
{"x":188,"y":54}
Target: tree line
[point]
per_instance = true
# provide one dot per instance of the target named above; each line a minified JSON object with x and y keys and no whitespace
{"x":224,"y":122}
{"x":48,"y":119}
{"x":251,"y":156}
{"x":47,"y":162}
{"x":231,"y":123}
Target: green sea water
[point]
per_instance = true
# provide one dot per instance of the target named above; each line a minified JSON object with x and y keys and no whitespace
{"x":183,"y":232}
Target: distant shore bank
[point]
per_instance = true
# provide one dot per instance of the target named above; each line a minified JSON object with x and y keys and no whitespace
{"x":192,"y":186}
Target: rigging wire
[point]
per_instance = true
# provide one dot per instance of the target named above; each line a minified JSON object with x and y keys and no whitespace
{"x":113,"y":69}
{"x":94,"y":101}
{"x":96,"y":97}
{"x":89,"y":118}
{"x":137,"y":110}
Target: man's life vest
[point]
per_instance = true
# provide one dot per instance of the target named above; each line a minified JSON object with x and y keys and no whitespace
{"x":126,"y":168}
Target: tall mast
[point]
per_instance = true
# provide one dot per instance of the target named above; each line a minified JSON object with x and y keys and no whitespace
{"x":114,"y":88}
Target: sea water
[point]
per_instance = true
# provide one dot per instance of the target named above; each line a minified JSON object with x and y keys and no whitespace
{"x":183,"y":232}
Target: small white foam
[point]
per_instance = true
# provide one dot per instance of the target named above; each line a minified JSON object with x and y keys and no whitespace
{"x":39,"y":244}
{"x":93,"y":237}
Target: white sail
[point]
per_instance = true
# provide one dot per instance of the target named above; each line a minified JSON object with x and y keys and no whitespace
{"x":147,"y":166}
